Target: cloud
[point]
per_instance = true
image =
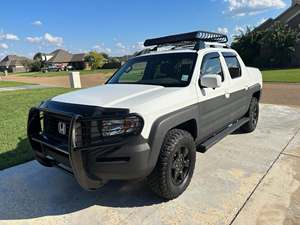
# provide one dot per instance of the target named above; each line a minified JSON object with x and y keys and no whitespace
{"x":52,"y":40}
{"x":46,"y":39}
{"x":34,"y":40}
{"x":9,"y":37}
{"x":261,"y":21}
{"x":97,"y":47}
{"x":120,"y":45}
{"x":122,"y":48}
{"x":239,"y":29}
{"x":252,"y":7}
{"x":37,"y":23}
{"x":3,"y":46}
{"x":108,"y":50}
{"x":223,"y":30}
{"x":102,"y":48}
{"x":138,"y":46}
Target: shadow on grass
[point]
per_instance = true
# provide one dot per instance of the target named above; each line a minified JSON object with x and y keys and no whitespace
{"x":32,"y":191}
{"x":21,"y":154}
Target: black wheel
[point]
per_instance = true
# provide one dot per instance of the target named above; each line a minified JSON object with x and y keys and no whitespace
{"x":175,"y":166}
{"x":253,"y":115}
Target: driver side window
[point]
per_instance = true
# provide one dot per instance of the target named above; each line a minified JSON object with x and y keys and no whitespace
{"x":212,"y":65}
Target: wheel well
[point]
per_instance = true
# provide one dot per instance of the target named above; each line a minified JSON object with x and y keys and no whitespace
{"x":189,"y":126}
{"x":257,"y":95}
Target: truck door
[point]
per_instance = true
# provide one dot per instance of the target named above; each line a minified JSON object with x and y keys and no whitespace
{"x":238,"y":85}
{"x":214,"y":108}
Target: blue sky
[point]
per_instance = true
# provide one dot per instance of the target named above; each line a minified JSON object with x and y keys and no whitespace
{"x":120,"y":27}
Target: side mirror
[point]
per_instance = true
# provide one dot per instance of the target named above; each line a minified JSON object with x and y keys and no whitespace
{"x":211,"y":81}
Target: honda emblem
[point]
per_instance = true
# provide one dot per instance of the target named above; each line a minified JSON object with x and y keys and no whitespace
{"x":62,"y":128}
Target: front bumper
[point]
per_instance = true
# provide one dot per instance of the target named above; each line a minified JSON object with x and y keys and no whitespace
{"x":92,"y":166}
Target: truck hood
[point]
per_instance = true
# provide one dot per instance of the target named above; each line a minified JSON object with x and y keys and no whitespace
{"x":110,"y":95}
{"x":138,"y":98}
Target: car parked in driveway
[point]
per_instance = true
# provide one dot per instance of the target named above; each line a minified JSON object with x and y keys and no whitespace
{"x":53,"y":68}
{"x":184,"y":93}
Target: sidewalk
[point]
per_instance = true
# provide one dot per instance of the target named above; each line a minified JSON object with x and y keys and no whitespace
{"x":24,"y":87}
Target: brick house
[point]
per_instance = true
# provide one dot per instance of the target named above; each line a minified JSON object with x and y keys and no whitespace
{"x":291,"y":17}
{"x":65,"y":58}
{"x":13,"y":64}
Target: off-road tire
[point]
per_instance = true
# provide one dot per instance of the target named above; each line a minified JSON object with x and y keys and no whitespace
{"x":175,"y":146}
{"x":253,"y":115}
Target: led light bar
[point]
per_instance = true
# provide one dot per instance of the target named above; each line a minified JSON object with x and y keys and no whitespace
{"x":197,"y":36}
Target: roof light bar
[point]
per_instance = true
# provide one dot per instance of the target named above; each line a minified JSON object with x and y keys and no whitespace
{"x":197,"y":37}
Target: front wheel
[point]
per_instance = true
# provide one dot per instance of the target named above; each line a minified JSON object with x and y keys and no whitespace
{"x":253,"y":115}
{"x":175,"y":166}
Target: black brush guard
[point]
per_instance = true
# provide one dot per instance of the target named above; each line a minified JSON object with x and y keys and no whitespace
{"x":74,"y":154}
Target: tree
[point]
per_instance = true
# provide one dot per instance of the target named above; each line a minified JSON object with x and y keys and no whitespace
{"x":278,"y":45}
{"x":27,"y":64}
{"x":35,"y":66}
{"x":248,"y":45}
{"x":273,"y":47}
{"x":112,"y":63}
{"x":95,"y":60}
{"x":39,"y":61}
{"x":105,"y":55}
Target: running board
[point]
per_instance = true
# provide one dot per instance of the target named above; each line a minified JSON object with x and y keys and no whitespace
{"x":218,"y":137}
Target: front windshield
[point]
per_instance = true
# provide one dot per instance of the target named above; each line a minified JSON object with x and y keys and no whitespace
{"x":169,"y":70}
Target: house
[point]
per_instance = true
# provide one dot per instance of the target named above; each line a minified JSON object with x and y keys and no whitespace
{"x":13,"y":64}
{"x":290,"y":17}
{"x":64,"y":58}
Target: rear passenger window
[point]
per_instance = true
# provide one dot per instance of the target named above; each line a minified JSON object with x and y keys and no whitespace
{"x":233,"y":66}
{"x":212,"y":65}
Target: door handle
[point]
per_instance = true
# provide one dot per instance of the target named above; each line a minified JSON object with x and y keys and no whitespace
{"x":227,"y":94}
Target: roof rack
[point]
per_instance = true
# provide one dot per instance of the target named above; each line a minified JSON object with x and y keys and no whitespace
{"x":196,"y":38}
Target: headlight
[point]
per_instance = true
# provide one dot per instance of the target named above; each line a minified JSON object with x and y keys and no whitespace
{"x":129,"y":125}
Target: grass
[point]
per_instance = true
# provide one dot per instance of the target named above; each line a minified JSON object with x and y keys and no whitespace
{"x":14,"y":107}
{"x":282,"y":76}
{"x":65,"y":73}
{"x":10,"y":84}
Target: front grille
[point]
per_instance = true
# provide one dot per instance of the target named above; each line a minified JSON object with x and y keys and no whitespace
{"x":87,"y":131}
{"x":91,"y":134}
{"x":52,"y":124}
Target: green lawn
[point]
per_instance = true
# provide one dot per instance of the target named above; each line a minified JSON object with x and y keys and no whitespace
{"x":65,"y":73}
{"x":14,"y":107}
{"x":283,"y":76}
{"x":10,"y":84}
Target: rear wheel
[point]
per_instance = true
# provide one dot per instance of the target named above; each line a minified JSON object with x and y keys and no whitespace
{"x":253,"y":115}
{"x":175,"y":166}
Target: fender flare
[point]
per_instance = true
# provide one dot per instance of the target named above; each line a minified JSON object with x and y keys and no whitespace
{"x":163,"y":124}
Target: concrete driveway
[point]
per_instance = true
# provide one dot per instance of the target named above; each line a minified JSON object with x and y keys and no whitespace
{"x":245,"y":179}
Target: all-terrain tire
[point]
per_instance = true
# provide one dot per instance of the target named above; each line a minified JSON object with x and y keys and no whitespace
{"x":177,"y":159}
{"x":253,"y":115}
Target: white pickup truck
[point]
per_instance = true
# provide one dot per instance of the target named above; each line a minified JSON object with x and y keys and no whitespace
{"x":181,"y":95}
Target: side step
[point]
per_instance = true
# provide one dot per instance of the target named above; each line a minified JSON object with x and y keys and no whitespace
{"x":203,"y":147}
